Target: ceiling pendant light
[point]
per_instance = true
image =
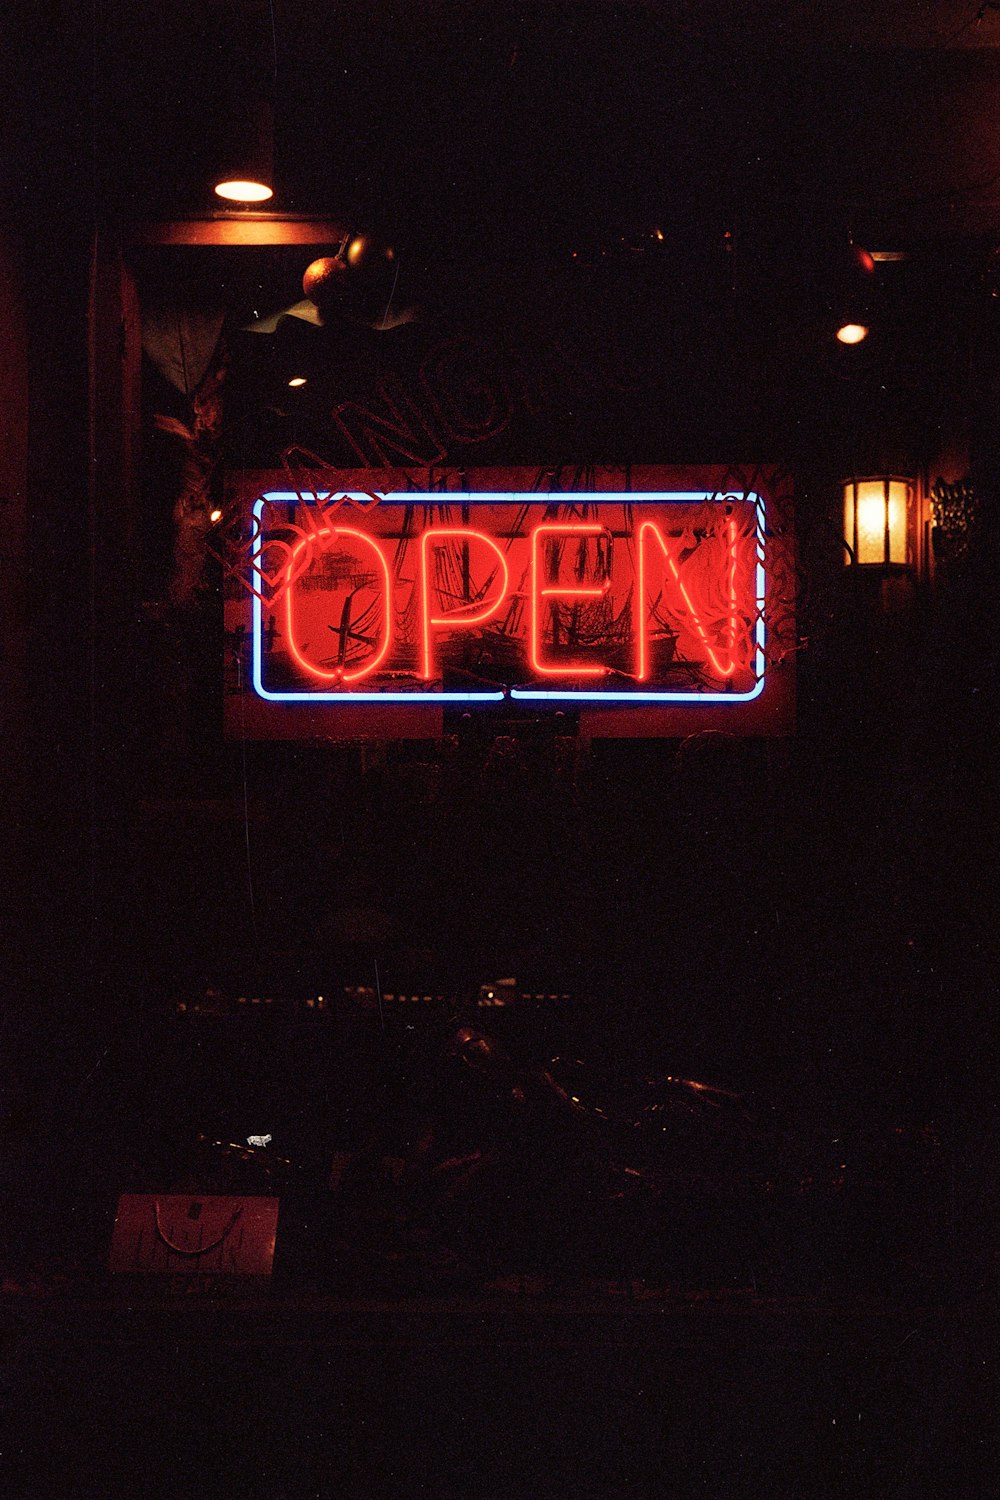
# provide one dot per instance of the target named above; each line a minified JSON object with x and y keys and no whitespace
{"x":851,"y":291}
{"x":246,"y":174}
{"x":243,"y":190}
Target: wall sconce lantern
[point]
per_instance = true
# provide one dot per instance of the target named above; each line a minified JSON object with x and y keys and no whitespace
{"x":880,"y":523}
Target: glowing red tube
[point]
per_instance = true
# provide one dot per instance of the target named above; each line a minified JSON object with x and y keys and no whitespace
{"x":338,"y":674}
{"x":642,"y":649}
{"x":539,"y":593}
{"x":465,"y":614}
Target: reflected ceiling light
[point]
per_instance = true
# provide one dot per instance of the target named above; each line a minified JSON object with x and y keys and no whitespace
{"x":852,"y":333}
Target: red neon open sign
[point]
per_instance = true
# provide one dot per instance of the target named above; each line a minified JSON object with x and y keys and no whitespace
{"x":466,"y":597}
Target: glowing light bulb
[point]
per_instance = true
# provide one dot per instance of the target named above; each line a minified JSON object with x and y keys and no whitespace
{"x":238,"y":191}
{"x":852,"y":333}
{"x":216,"y":515}
{"x":297,"y":380}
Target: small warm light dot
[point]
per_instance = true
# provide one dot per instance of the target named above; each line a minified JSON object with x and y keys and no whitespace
{"x":237,"y":191}
{"x":852,"y":333}
{"x":216,"y":515}
{"x":297,"y":380}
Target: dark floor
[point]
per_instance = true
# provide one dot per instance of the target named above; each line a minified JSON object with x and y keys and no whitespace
{"x":525,"y":1390}
{"x":836,"y":1338}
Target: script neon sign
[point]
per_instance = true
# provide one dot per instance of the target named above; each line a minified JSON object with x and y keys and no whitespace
{"x":458,"y":597}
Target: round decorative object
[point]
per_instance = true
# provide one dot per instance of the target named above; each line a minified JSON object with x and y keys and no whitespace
{"x":370,"y":258}
{"x":358,"y":283}
{"x":371,"y":279}
{"x":323,"y":280}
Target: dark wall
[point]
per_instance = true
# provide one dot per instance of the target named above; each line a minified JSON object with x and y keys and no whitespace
{"x":820,"y":905}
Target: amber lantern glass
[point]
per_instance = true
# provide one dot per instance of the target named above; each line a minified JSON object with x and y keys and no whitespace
{"x":877,"y":516}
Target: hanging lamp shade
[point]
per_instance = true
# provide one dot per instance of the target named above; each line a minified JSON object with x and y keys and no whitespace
{"x":852,"y":291}
{"x":246,"y":167}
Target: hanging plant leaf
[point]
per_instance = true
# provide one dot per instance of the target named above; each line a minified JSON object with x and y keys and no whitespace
{"x":181,"y":342}
{"x":174,"y":426}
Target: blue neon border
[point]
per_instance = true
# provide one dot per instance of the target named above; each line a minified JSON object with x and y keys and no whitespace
{"x":525,"y":497}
